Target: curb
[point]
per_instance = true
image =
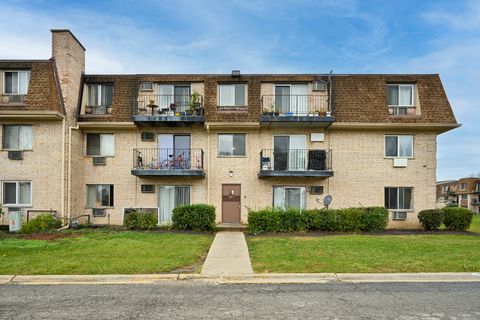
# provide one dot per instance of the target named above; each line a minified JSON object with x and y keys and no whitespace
{"x":265,"y":278}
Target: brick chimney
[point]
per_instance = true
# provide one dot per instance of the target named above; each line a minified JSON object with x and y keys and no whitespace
{"x":69,"y":56}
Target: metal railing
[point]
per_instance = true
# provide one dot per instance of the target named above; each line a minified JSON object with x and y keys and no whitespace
{"x":399,"y":110}
{"x":12,"y":98}
{"x":295,"y":105}
{"x":167,"y":159}
{"x":98,"y":109}
{"x":295,"y":159}
{"x":168,"y":105}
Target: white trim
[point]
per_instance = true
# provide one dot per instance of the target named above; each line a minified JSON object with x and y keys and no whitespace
{"x":245,"y":86}
{"x":99,"y":155}
{"x":99,"y":184}
{"x":18,"y":136}
{"x":17,"y":193}
{"x":412,"y":203}
{"x":412,"y":98}
{"x":232,"y":155}
{"x":290,"y":187}
{"x":18,"y":80}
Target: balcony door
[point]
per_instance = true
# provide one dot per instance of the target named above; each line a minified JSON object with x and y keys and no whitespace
{"x":174,"y":145}
{"x":292,"y":99}
{"x":171,"y":94}
{"x":289,"y":152}
{"x":170,"y":197}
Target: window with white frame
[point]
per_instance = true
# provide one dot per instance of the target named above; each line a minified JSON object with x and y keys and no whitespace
{"x":231,"y":145}
{"x":17,"y":137}
{"x":16,"y":82}
{"x":100,"y":144}
{"x":400,"y":95}
{"x":232,"y":95}
{"x":99,"y":195}
{"x":99,"y":95}
{"x":399,"y":146}
{"x":17,"y":193}
{"x":289,"y":197}
{"x":399,"y":198}
{"x":463,"y":186}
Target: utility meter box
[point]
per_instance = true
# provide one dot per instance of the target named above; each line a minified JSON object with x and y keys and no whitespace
{"x":14,"y":219}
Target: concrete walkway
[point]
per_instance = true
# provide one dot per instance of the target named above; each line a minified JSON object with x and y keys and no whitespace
{"x":228,"y":255}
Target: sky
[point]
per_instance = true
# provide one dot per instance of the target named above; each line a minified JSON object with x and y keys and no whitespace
{"x":277,"y":36}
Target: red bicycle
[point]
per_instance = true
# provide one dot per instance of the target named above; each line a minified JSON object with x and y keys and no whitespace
{"x":178,"y":162}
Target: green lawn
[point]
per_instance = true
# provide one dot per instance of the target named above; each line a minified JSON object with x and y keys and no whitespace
{"x":365,"y":253}
{"x":475,"y":226}
{"x":103,"y":252}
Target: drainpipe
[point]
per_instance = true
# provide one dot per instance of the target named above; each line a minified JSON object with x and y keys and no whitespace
{"x":329,"y":111}
{"x":62,"y":193}
{"x":69,"y":169}
{"x":208,"y":164}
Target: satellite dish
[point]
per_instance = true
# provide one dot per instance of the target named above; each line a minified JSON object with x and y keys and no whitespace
{"x":327,"y":200}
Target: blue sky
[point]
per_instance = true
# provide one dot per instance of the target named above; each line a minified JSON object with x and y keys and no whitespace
{"x":186,"y":36}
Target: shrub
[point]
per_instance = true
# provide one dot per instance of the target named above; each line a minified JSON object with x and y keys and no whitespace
{"x":431,"y":219}
{"x":41,"y":223}
{"x":196,"y":217}
{"x":265,"y":220}
{"x":320,"y":219}
{"x":136,"y":220}
{"x":457,"y":218}
{"x":291,"y":220}
{"x":348,"y":220}
{"x":374,"y":219}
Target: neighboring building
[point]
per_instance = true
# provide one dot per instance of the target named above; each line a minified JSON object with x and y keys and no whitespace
{"x":464,"y":193}
{"x":236,"y":141}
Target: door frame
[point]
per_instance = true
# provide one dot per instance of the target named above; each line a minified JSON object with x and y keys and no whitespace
{"x":240,"y":201}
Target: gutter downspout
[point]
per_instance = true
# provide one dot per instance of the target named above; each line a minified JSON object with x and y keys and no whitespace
{"x":208,"y":164}
{"x":69,"y":196}
{"x":63,"y":169}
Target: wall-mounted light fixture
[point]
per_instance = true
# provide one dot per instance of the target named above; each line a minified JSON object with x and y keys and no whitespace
{"x":230,"y":173}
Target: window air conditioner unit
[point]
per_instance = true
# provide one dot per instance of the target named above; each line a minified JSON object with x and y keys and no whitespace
{"x":319,"y":85}
{"x":399,"y":215}
{"x":16,"y":98}
{"x":148,"y":188}
{"x":146,"y":86}
{"x":148,"y":136}
{"x":316,"y":189}
{"x":400,"y":162}
{"x":15,"y":155}
{"x":96,"y":212}
{"x":99,"y":161}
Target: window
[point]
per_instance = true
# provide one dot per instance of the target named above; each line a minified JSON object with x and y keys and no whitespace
{"x":99,"y":195}
{"x":399,"y":146}
{"x":16,"y":82}
{"x":100,"y":95}
{"x":463,"y":186}
{"x":464,"y":197}
{"x":171,"y":197}
{"x":17,"y":137}
{"x":18,"y":193}
{"x":400,"y":95}
{"x":146,"y":86}
{"x":231,"y":95}
{"x":289,"y":197}
{"x":399,"y":198}
{"x":230,"y":145}
{"x":100,"y":144}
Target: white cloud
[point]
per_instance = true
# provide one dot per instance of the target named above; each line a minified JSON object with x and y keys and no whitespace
{"x":456,"y":16}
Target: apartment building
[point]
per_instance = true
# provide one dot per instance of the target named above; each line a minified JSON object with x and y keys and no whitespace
{"x":98,"y":145}
{"x":464,"y":192}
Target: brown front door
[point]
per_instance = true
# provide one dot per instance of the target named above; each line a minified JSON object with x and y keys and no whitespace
{"x":231,"y":203}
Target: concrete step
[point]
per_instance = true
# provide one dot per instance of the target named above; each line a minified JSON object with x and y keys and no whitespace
{"x":232,"y":227}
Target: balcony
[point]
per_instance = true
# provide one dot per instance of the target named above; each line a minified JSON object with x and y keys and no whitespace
{"x":168,"y":162}
{"x":296,"y":111}
{"x":175,"y":110}
{"x":295,"y":163}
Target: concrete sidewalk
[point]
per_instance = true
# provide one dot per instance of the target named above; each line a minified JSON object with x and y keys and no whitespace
{"x":228,"y":255}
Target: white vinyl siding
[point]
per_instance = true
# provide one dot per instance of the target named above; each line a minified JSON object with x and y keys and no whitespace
{"x":17,"y":193}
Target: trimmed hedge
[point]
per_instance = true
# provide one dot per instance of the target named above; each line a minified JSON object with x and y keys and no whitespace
{"x":196,"y":217}
{"x":431,"y":219}
{"x":136,"y":220}
{"x":292,"y":220}
{"x":41,"y":223}
{"x":457,"y":218}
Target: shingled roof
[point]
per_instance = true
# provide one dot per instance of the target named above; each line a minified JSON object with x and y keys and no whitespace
{"x":355,"y":98}
{"x":43,"y":91}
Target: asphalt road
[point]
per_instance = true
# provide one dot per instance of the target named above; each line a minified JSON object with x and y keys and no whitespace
{"x":193,"y":300}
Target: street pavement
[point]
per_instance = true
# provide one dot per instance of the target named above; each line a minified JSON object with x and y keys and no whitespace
{"x":203,"y":300}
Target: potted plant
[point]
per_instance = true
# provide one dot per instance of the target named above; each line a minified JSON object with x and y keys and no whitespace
{"x":194,"y":103}
{"x":277,"y":111}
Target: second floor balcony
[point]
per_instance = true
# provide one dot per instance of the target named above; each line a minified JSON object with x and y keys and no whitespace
{"x":296,"y":110}
{"x":168,"y":162}
{"x":172,"y":109}
{"x":295,"y":163}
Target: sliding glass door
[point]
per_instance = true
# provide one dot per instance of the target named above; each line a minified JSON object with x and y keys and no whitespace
{"x":289,"y":152}
{"x":289,"y":197}
{"x":175,"y":146}
{"x":170,"y":197}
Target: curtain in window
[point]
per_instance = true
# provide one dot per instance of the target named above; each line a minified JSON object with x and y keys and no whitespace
{"x":182,"y":196}
{"x":297,"y":152}
{"x":107,"y":95}
{"x":9,"y":193}
{"x":239,"y":94}
{"x":93,"y":144}
{"x":103,"y":195}
{"x":405,"y":198}
{"x":91,"y":196}
{"x":392,"y":95}
{"x":226,"y":95}
{"x":225,"y":142}
{"x":292,"y":198}
{"x":107,"y":145}
{"x":166,"y":96}
{"x":25,"y":137}
{"x":298,"y":104}
{"x":166,"y":203}
{"x":24,"y":193}
{"x":10,"y":137}
{"x":23,"y":81}
{"x":279,"y":197}
{"x":93,"y":95}
{"x":182,"y":98}
{"x":282,"y":99}
{"x":238,"y":145}
{"x":405,"y":146}
{"x":405,"y":95}
{"x":11,"y":81}
{"x":391,"y":198}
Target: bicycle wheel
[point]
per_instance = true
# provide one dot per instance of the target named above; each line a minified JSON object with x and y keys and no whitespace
{"x":164,"y":164}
